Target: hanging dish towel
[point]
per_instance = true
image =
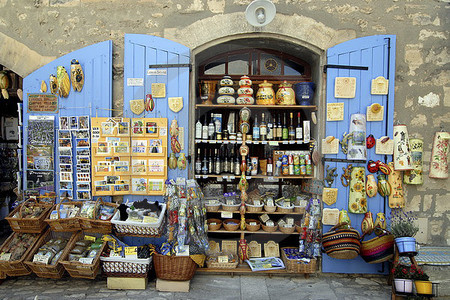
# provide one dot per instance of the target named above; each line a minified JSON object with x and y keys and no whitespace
{"x":396,"y":198}
{"x":402,"y":154}
{"x":357,"y":203}
{"x":415,"y":175}
{"x":357,"y":142}
{"x":439,"y":156}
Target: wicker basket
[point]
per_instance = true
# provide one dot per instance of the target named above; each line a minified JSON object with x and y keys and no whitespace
{"x":341,"y":243}
{"x":212,"y":207}
{"x":77,"y":269}
{"x":270,"y":208}
{"x":95,"y":225}
{"x":216,"y":226}
{"x":269,"y":228}
{"x":300,"y":209}
{"x":297,"y":265}
{"x":231,"y":227}
{"x":18,"y":267}
{"x":217,"y":265}
{"x":55,"y":271}
{"x":252,"y":227}
{"x":126,"y":267}
{"x":254,"y":208}
{"x":28,"y":225}
{"x":179,"y":268}
{"x":140,"y":229}
{"x":65,"y":224}
{"x":287,"y":230}
{"x":284,"y":209}
{"x":234,"y":207}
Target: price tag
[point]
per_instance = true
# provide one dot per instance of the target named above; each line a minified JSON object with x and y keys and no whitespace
{"x":226,"y":142}
{"x":114,"y":254}
{"x":220,"y":178}
{"x":205,"y":176}
{"x":233,"y":142}
{"x":5,"y":256}
{"x":89,"y":238}
{"x":270,"y":178}
{"x":264,"y":142}
{"x":273,"y":143}
{"x":281,"y":223}
{"x":291,"y":142}
{"x":222,"y":259}
{"x":198,"y":176}
{"x":270,"y":223}
{"x":290,"y":221}
{"x":226,"y":215}
{"x":264,"y":218}
{"x":212,"y":141}
{"x":230,"y":202}
{"x":257,"y":202}
{"x":249,"y":177}
{"x":256,"y":142}
{"x":213,"y":223}
{"x":303,"y":203}
{"x":225,"y":177}
{"x":253,"y":223}
{"x":86,"y":260}
{"x":131,"y":252}
{"x":148,"y":219}
{"x":285,"y":142}
{"x":41,"y":258}
{"x":182,"y":251}
{"x":232,"y":177}
{"x":300,"y":142}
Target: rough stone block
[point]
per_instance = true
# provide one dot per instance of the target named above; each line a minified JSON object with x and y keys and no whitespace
{"x":422,"y":234}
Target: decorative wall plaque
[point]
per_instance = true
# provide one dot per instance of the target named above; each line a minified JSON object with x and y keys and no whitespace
{"x":330,"y":145}
{"x":42,"y":103}
{"x":345,"y":87}
{"x":335,"y":111}
{"x":380,"y":86}
{"x":158,"y":90}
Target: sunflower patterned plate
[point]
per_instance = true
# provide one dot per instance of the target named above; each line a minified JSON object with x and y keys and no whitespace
{"x":357,"y":203}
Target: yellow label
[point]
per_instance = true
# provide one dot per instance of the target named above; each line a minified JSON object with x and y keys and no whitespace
{"x":222,"y":259}
{"x":130,"y":251}
{"x":90,"y":238}
{"x":267,"y":266}
{"x":148,"y":219}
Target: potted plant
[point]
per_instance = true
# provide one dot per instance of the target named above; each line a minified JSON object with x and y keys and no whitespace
{"x":404,"y":229}
{"x":402,"y":279}
{"x":421,"y":281}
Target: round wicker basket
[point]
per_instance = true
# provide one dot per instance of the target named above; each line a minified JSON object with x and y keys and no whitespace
{"x":231,"y":227}
{"x":254,"y":208}
{"x":287,"y":230}
{"x":300,"y":209}
{"x":252,"y":227}
{"x":234,"y":207}
{"x":212,"y":227}
{"x":270,"y":208}
{"x":269,"y":228}
{"x":284,"y":209}
{"x":212,"y":208}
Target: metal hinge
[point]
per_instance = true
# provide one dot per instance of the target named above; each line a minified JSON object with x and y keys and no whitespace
{"x":325,"y":67}
{"x":171,"y":66}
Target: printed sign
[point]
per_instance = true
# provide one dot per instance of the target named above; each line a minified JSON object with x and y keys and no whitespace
{"x":42,"y":103}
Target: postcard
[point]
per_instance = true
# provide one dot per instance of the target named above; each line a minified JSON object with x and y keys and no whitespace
{"x":139,"y":146}
{"x":138,"y":165}
{"x":83,"y":122}
{"x":139,"y":185}
{"x":83,"y":195}
{"x":151,"y":128}
{"x":107,"y":128}
{"x":103,"y":148}
{"x":64,"y":134}
{"x":66,"y":185}
{"x":64,"y":123}
{"x":124,"y":128}
{"x":121,"y":147}
{"x":65,"y":142}
{"x":83,"y":143}
{"x":65,"y":194}
{"x":156,"y":165}
{"x":65,"y":176}
{"x":82,"y":134}
{"x":155,"y":146}
{"x":111,"y":179}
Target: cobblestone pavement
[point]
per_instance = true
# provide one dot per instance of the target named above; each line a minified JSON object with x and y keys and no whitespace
{"x":322,"y":286}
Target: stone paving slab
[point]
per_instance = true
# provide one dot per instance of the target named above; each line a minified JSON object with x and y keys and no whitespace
{"x":317,"y":287}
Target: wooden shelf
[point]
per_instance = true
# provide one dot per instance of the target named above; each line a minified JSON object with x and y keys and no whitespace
{"x":244,"y":268}
{"x":260,"y":212}
{"x":227,"y":176}
{"x":237,"y":106}
{"x":246,"y":231}
{"x":270,"y":143}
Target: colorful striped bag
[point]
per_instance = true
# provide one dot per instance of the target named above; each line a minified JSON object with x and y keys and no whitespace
{"x":379,"y":249}
{"x":341,"y":242}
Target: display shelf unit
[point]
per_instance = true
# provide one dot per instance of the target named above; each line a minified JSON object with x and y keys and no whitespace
{"x":270,"y":143}
{"x":245,"y":269}
{"x":269,"y":178}
{"x":256,"y":106}
{"x":250,"y":232}
{"x":259,"y":212}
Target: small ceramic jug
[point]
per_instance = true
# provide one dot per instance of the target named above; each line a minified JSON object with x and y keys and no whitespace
{"x":371,"y":186}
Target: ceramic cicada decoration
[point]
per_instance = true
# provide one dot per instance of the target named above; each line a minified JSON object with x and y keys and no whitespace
{"x":181,"y":163}
{"x":63,"y":81}
{"x":174,"y":131}
{"x":53,"y":84}
{"x":380,"y":222}
{"x":367,"y":223}
{"x":43,"y":87}
{"x":77,"y":75}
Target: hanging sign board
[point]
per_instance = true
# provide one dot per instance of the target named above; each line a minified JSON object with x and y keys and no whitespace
{"x":157,"y":72}
{"x":42,"y":103}
{"x":135,"y":81}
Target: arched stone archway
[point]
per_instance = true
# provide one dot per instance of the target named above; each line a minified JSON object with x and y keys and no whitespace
{"x":19,"y":58}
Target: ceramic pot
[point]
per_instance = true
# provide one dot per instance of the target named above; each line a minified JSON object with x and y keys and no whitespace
{"x":403,"y":285}
{"x":357,"y":203}
{"x":226,"y":81}
{"x":304,"y":92}
{"x":396,"y":198}
{"x":265,"y":94}
{"x":285,"y":94}
{"x":226,"y":99}
{"x":402,"y":154}
{"x":207,"y":91}
{"x":439,"y":156}
{"x":371,"y":186}
{"x":245,"y":91}
{"x":406,"y":244}
{"x":414,"y":176}
{"x":226,"y":91}
{"x":423,"y":287}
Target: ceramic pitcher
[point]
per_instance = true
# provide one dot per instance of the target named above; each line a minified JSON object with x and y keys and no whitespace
{"x":396,"y":198}
{"x":357,"y":203}
{"x":371,"y":186}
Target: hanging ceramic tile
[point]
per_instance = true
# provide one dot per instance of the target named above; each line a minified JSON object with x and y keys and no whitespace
{"x":384,"y":146}
{"x":158,"y":90}
{"x":345,"y":87}
{"x":330,"y":145}
{"x":357,"y":142}
{"x":330,"y":216}
{"x":357,"y":203}
{"x":396,"y":198}
{"x":329,"y":195}
{"x":335,"y":111}
{"x":371,"y":186}
{"x":380,"y":86}
{"x":439,"y":156}
{"x":415,"y":176}
{"x":402,"y":154}
{"x":375,"y":112}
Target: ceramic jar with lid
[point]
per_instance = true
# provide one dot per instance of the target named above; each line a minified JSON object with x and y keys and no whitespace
{"x":265,"y":94}
{"x":226,"y":91}
{"x":245,"y":91}
{"x":285,"y":94}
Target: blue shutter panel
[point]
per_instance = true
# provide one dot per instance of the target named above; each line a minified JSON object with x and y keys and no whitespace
{"x":142,"y":51}
{"x":95,"y":99}
{"x":378,"y":54}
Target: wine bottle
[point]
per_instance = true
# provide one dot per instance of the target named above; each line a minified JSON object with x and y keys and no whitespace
{"x":211,"y":128}
{"x":263,"y":128}
{"x":269,"y":129}
{"x":237,"y":165}
{"x":256,"y":129}
{"x":198,"y":129}
{"x":205,"y":164}
{"x":279,"y":130}
{"x":198,"y":163}
{"x":218,"y":163}
{"x":226,"y":162}
{"x":291,"y":130}
{"x":210,"y":162}
{"x":298,"y":129}
{"x":269,"y":164}
{"x":205,"y":131}
{"x":232,"y":161}
{"x":285,"y":132}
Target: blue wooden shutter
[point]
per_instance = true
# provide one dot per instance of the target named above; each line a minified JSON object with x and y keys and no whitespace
{"x":95,"y":99}
{"x":378,"y":54}
{"x":141,"y":51}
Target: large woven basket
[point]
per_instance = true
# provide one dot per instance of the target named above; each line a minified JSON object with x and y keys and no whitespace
{"x":212,"y":227}
{"x":125,"y":267}
{"x":217,"y":265}
{"x":297,"y":265}
{"x":178,"y":268}
{"x":234,"y":207}
{"x":28,"y":225}
{"x":252,"y":227}
{"x":65,"y":224}
{"x":341,"y":243}
{"x":269,"y":228}
{"x":77,"y":269}
{"x":254,"y":208}
{"x":96,"y":225}
{"x":55,"y":271}
{"x":18,"y":267}
{"x":231,"y":227}
{"x":379,"y":249}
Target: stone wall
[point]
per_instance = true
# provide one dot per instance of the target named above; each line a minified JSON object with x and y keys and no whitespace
{"x":33,"y":32}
